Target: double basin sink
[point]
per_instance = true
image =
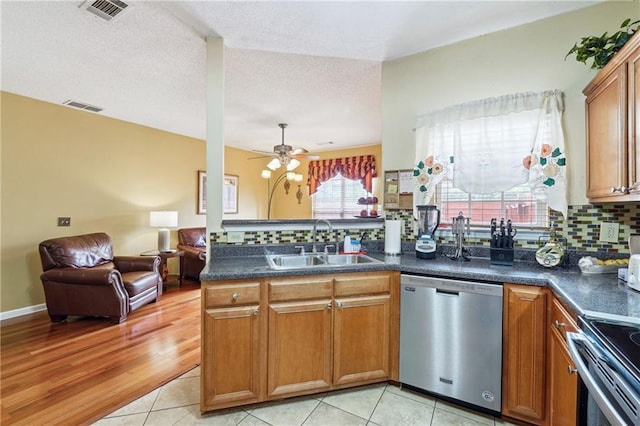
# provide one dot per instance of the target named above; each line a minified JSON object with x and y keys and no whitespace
{"x":315,"y":260}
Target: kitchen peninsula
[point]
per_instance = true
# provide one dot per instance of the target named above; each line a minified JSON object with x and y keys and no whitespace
{"x":254,"y":317}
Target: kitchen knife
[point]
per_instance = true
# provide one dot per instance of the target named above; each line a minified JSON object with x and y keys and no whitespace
{"x":502,"y":234}
{"x":494,"y":235}
{"x":509,"y":234}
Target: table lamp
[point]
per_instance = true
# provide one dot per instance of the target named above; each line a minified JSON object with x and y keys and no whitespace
{"x":163,"y":220}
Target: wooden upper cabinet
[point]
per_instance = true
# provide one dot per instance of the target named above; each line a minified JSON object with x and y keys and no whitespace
{"x":606,"y":136}
{"x":612,"y":126}
{"x":524,"y":333}
{"x":634,"y":117}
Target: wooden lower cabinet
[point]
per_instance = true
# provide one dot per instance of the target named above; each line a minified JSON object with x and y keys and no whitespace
{"x":562,"y":391}
{"x":231,"y":374}
{"x":361,"y":339}
{"x":297,"y":335}
{"x":524,"y":352}
{"x":299,"y":347}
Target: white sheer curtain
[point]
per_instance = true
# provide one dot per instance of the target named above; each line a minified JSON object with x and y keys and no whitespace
{"x":494,"y":144}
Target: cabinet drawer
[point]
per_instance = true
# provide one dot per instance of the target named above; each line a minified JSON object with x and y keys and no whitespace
{"x":231,"y":294}
{"x":560,"y":319}
{"x":362,"y":284}
{"x":300,"y":288}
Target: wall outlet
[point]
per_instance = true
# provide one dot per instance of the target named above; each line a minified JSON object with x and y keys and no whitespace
{"x":609,"y":231}
{"x":235,"y":237}
{"x":64,"y":221}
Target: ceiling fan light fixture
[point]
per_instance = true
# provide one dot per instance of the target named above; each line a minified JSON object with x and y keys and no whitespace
{"x":266,"y":174}
{"x":293,"y":163}
{"x":274,"y":164}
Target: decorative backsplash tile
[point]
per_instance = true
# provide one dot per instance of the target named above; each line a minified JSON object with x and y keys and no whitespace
{"x":580,"y":232}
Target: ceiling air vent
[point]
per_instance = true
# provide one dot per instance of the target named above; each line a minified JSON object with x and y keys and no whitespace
{"x":82,"y":105}
{"x":106,"y":9}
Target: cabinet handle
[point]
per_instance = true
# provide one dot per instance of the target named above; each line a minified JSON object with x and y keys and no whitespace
{"x":558,"y":324}
{"x":235,"y":296}
{"x":571,"y":370}
{"x":339,"y":304}
{"x":256,"y":311}
{"x":329,"y":306}
{"x":623,"y":189}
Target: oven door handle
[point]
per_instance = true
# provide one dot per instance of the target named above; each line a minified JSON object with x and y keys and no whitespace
{"x":596,"y":393}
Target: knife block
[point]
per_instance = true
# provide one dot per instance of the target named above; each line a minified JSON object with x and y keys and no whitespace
{"x":501,"y":256}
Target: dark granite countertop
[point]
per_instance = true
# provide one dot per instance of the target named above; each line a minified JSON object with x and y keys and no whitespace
{"x":594,"y":295}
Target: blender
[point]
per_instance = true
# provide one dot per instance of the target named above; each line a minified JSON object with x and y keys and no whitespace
{"x":428,"y":221}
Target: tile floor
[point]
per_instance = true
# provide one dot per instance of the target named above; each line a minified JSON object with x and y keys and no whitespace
{"x":177,"y":403}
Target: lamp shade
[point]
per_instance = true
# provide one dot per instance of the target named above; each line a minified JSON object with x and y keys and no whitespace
{"x":293,"y":164}
{"x":163,"y":219}
{"x":274,"y":164}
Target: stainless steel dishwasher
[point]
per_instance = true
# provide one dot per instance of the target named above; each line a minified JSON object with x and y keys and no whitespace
{"x":451,"y":339}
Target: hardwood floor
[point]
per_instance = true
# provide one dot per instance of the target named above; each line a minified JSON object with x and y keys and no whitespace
{"x":77,"y":372}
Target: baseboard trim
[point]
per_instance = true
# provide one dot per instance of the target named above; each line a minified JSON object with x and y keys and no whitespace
{"x":22,"y":311}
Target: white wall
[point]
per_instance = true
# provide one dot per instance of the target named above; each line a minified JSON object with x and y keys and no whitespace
{"x":525,"y":58}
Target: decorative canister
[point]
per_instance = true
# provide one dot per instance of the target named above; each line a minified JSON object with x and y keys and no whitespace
{"x":552,"y":252}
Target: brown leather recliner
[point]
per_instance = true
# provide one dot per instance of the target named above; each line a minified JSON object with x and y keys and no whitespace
{"x":82,"y":277}
{"x":193,"y":242}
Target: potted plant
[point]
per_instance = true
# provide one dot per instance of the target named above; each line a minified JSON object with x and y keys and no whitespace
{"x":602,"y":48}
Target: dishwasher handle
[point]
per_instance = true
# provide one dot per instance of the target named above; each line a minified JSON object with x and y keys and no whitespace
{"x":589,"y":381}
{"x":447,"y":292}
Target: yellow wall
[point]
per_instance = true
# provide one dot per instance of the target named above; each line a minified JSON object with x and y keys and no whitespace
{"x":105,"y":174}
{"x":252,"y":189}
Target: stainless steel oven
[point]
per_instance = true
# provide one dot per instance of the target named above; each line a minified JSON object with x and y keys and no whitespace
{"x":606,"y":353}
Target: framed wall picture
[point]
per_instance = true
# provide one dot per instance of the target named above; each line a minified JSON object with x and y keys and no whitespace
{"x":230,"y":194}
{"x":202,"y":192}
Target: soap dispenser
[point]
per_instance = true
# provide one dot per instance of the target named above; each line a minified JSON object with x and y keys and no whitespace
{"x":552,"y":252}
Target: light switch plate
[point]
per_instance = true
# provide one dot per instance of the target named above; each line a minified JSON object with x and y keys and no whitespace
{"x":235,"y":237}
{"x":609,"y":231}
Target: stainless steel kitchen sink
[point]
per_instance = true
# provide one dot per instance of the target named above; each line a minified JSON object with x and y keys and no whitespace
{"x":299,"y":261}
{"x":294,"y":260}
{"x":349,"y":259}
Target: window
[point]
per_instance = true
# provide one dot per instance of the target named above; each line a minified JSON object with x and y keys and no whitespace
{"x":337,"y":198}
{"x":517,"y":204}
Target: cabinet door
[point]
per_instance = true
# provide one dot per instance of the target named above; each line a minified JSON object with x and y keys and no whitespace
{"x":606,"y":110}
{"x":299,"y":359}
{"x":524,"y":330}
{"x":634,"y":123}
{"x":361,"y":339}
{"x":563,"y":383}
{"x":230,"y":357}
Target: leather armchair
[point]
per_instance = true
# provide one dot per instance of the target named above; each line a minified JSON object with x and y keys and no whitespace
{"x":194,"y":244}
{"x":82,"y":277}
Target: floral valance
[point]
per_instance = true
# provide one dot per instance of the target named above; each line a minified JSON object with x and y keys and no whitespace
{"x":494,"y":144}
{"x":361,"y":168}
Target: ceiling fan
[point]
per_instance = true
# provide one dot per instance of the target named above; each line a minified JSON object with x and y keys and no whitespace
{"x":285,"y":153}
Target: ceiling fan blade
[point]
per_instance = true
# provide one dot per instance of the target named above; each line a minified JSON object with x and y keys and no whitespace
{"x":307,"y":156}
{"x":297,"y":151}
{"x":262,"y":156}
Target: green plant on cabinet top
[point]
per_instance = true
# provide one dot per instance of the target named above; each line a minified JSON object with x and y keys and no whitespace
{"x":602,"y":48}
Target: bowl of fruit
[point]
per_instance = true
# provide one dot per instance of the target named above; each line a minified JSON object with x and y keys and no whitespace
{"x":593,"y":265}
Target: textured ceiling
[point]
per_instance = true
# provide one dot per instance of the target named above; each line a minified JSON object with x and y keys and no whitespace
{"x":313,"y":64}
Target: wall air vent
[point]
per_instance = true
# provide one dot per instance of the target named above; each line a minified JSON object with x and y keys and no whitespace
{"x":82,"y":105}
{"x":106,"y":9}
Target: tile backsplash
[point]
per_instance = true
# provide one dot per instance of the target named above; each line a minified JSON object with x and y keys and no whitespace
{"x":580,"y":232}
